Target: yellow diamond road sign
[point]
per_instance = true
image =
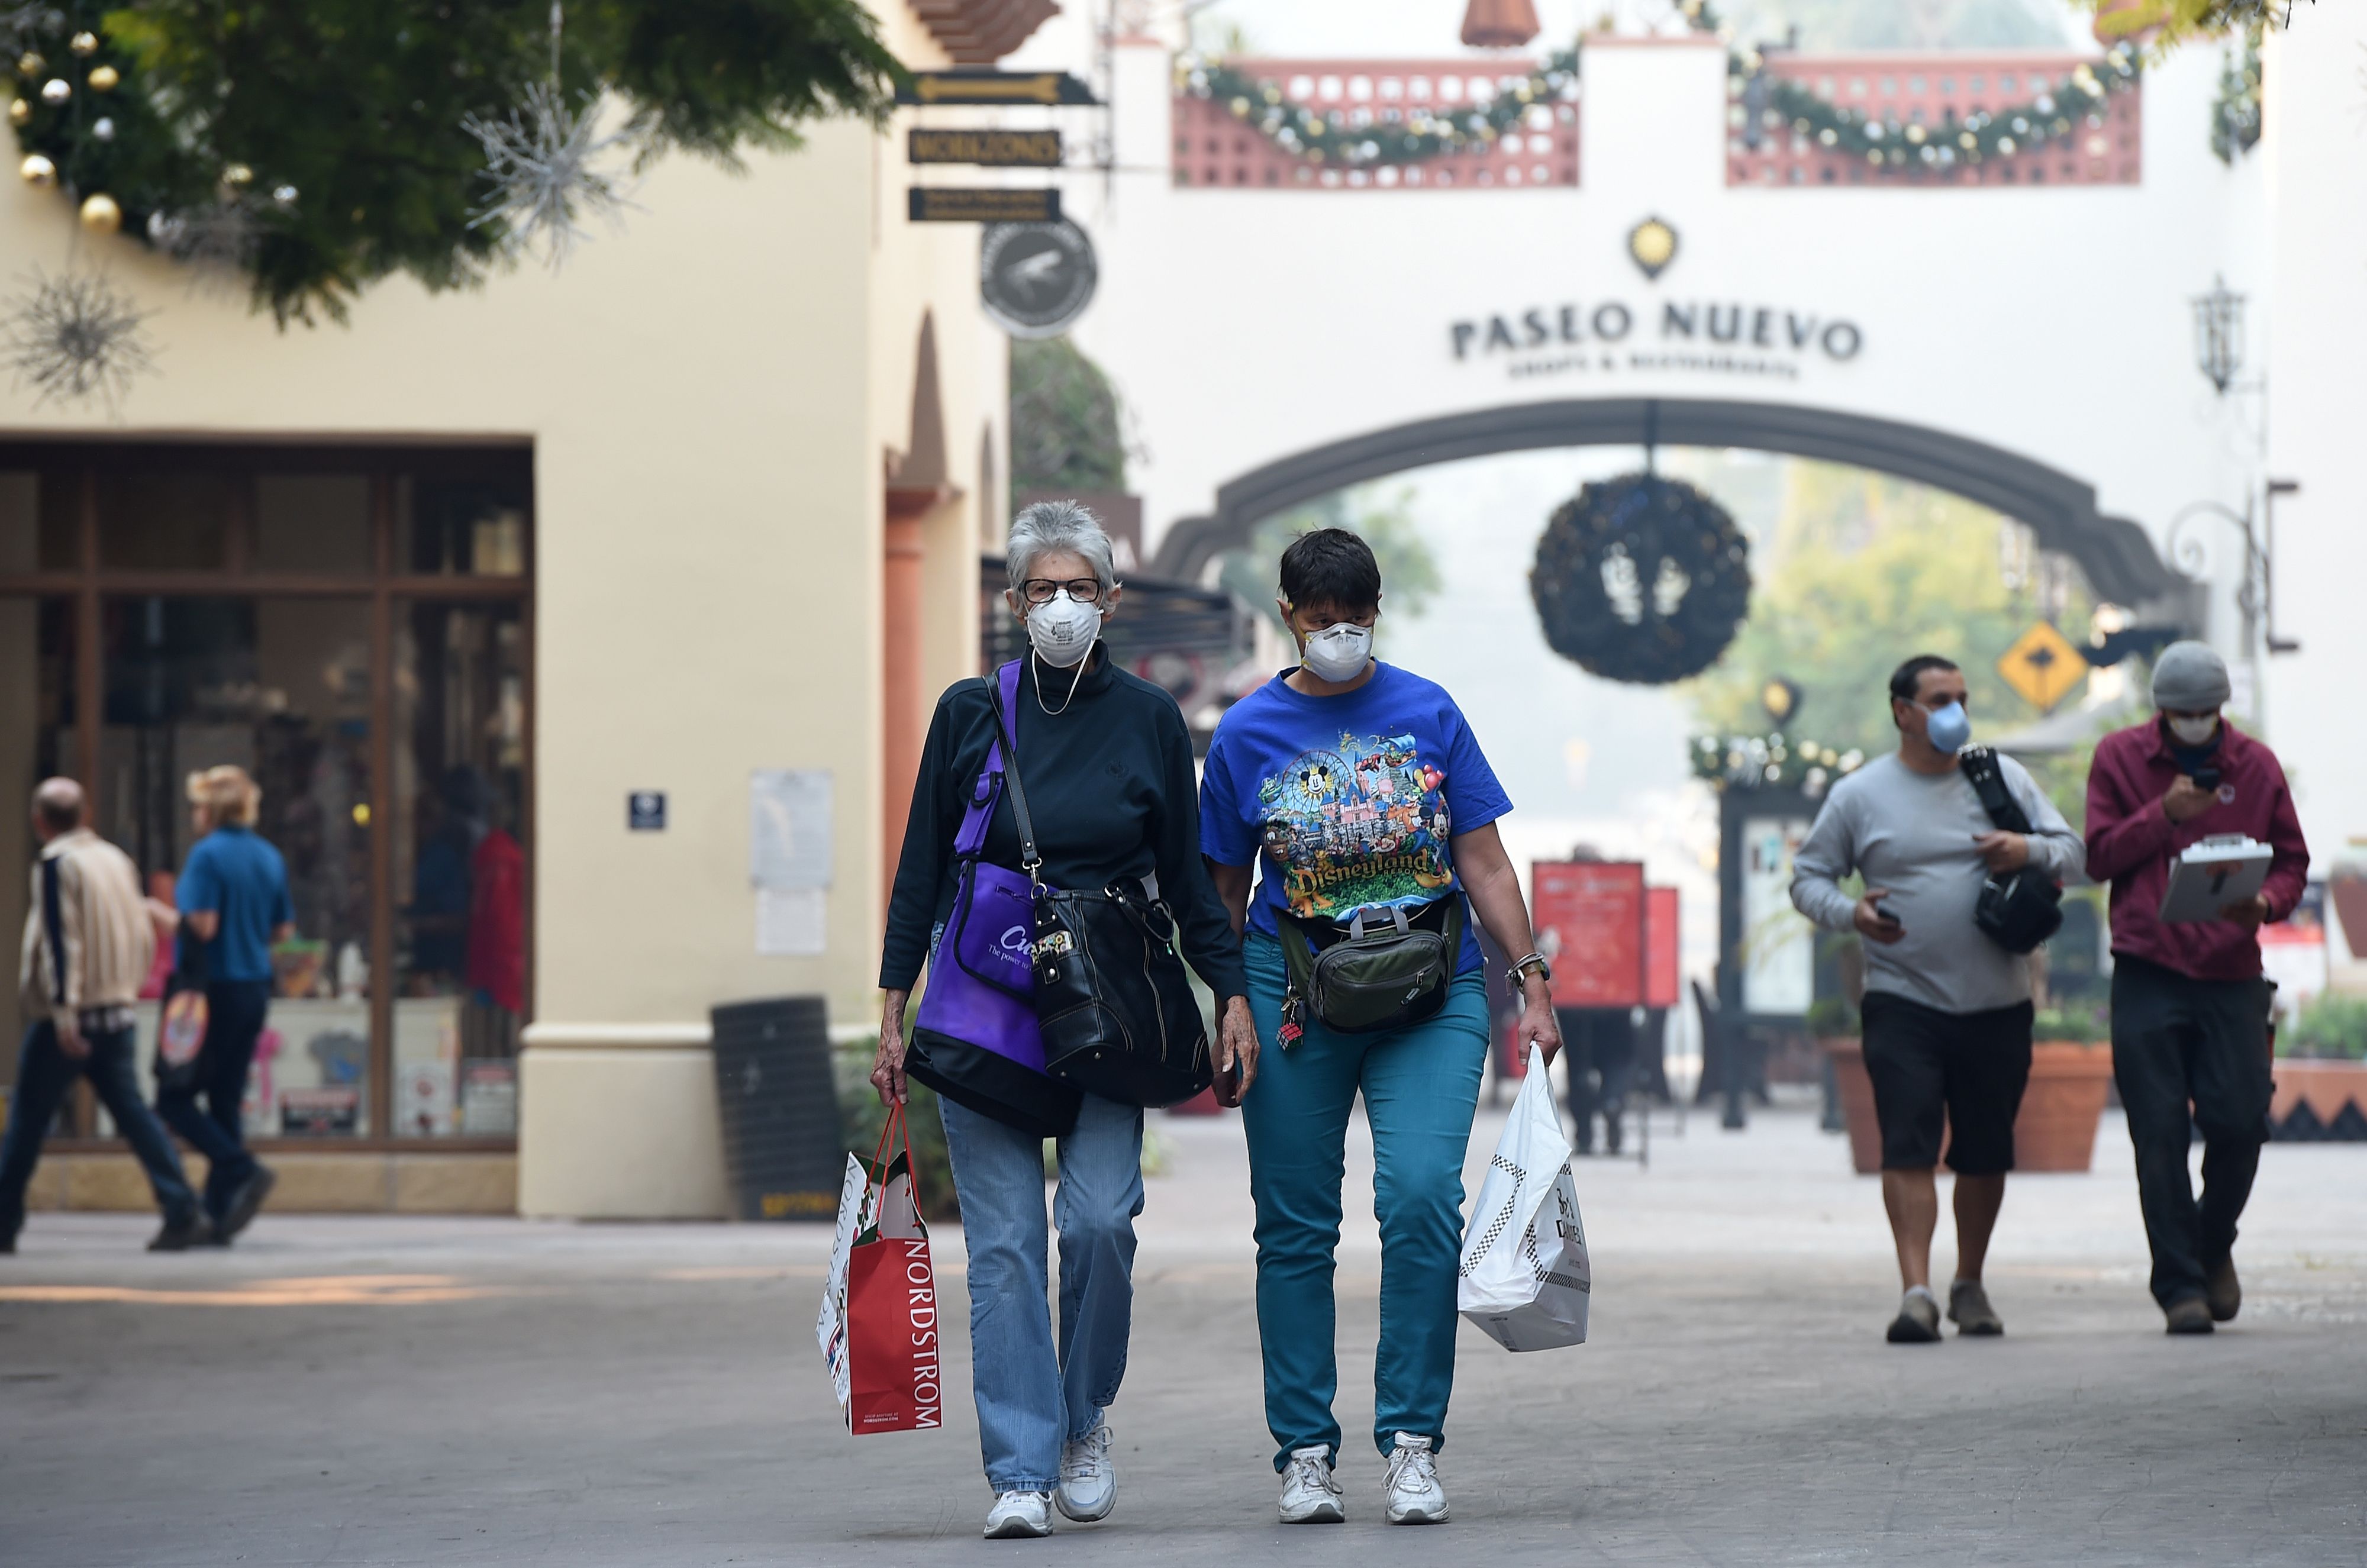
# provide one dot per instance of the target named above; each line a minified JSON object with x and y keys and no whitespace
{"x":2043,"y":666}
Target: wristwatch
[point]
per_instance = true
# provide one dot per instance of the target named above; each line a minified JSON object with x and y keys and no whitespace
{"x":1535,"y":960}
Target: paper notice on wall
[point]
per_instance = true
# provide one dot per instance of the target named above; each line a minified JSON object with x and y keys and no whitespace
{"x":789,"y":829}
{"x":790,"y":922}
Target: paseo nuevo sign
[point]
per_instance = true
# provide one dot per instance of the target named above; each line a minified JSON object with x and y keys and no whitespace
{"x":1720,"y":338}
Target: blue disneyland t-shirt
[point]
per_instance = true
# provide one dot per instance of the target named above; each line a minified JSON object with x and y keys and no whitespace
{"x":1353,"y":799}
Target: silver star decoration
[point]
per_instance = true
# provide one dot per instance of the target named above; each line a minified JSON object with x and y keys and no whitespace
{"x":219,"y":237}
{"x":542,"y":163}
{"x":74,"y":338}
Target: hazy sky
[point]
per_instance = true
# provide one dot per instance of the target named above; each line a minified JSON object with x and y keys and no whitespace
{"x":1429,"y":26}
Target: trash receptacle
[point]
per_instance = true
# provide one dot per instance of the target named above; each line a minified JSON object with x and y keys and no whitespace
{"x":782,"y":1154}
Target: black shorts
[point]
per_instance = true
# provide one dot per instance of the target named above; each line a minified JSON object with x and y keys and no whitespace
{"x":1964,"y":1071}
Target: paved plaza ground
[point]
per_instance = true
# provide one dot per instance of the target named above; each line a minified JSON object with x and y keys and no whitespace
{"x":403,"y":1391}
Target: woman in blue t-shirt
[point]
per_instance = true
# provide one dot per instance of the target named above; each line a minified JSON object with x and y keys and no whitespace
{"x":1358,"y":789}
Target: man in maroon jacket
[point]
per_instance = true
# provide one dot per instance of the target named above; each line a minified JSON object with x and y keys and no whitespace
{"x":2189,"y":1009}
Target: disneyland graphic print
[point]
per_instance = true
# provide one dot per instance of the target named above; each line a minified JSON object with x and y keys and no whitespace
{"x":1348,"y":802}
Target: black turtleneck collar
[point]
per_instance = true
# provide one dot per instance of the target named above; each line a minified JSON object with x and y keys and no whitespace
{"x":1054,"y":683}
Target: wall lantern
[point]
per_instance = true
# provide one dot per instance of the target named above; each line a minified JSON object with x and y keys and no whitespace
{"x":2219,"y":334}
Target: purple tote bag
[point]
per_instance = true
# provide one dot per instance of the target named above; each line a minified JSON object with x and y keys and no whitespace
{"x":975,"y":1041}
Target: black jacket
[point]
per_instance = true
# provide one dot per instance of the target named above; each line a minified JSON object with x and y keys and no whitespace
{"x":1112,"y":792}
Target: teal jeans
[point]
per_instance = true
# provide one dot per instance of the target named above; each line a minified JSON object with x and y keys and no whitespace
{"x":1421,"y":1087}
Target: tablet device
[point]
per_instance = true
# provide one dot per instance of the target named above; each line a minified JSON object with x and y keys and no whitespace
{"x":2221,"y":870}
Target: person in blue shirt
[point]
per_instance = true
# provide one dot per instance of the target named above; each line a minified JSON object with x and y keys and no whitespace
{"x":234,"y":901}
{"x":1356,"y":789}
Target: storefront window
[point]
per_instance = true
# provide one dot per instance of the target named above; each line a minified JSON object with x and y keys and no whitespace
{"x":164,"y":521}
{"x":460,"y":868}
{"x":259,"y":608}
{"x":281,"y":688}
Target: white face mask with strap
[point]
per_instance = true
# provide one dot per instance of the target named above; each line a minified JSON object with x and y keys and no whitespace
{"x":2194,"y":731}
{"x":1338,"y":653}
{"x":1063,"y":630}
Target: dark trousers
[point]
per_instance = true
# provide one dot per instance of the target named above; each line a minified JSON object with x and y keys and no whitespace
{"x":44,"y":1073}
{"x":235,"y":1010}
{"x":1598,"y":1048}
{"x":2177,"y":1040}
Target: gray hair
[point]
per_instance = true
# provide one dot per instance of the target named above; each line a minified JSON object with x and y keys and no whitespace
{"x":1050,"y":528}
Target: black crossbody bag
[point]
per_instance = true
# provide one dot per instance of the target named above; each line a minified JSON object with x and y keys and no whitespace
{"x":1112,"y":997}
{"x":2018,"y":909}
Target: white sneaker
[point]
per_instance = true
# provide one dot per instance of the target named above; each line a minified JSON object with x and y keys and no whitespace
{"x":1414,"y":1495}
{"x":1310,"y":1494}
{"x":1088,"y":1476}
{"x":1018,"y":1515}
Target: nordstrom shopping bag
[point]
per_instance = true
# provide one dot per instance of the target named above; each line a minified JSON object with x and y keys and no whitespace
{"x":1524,"y":1275}
{"x":879,"y":1325}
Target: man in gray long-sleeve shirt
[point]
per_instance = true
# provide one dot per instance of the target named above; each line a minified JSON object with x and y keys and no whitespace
{"x":1947,"y":1012}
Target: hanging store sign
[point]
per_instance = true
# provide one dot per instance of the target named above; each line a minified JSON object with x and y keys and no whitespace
{"x":1047,"y":87}
{"x":981,"y":204}
{"x":1034,"y":279}
{"x":987,"y":149}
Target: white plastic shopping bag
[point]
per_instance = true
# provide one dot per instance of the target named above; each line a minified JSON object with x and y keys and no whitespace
{"x":1524,"y":1275}
{"x":853,"y":1197}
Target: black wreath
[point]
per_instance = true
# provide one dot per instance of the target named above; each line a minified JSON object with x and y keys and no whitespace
{"x":1612,"y":558}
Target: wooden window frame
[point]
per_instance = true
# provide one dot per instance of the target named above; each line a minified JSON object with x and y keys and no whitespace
{"x":381,"y":587}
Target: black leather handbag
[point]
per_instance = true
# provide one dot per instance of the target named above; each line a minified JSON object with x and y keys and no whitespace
{"x":2018,"y":909}
{"x":1116,"y":1008}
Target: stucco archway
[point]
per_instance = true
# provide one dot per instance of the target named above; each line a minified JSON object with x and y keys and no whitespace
{"x":2115,"y":553}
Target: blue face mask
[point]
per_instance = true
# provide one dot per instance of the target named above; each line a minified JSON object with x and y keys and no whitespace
{"x":1949,"y":728}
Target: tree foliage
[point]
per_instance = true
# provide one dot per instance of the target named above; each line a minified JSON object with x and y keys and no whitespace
{"x":356,"y":107}
{"x":1862,"y":572}
{"x":1067,"y":420}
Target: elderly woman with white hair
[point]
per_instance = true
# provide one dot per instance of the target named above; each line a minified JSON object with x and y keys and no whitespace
{"x":1106,"y":767}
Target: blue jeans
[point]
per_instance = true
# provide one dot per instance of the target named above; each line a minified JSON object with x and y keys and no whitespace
{"x":44,"y":1073}
{"x":1031,"y":1398}
{"x":1421,"y":1087}
{"x":234,"y":1014}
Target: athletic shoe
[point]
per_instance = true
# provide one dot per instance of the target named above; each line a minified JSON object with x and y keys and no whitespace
{"x":183,"y":1232}
{"x":240,"y":1212}
{"x":1310,"y":1494}
{"x":1088,"y":1488}
{"x":1917,"y":1321}
{"x":1412,"y":1491}
{"x":1020,"y":1516}
{"x":2223,"y":1292}
{"x":1969,"y":1309}
{"x":2188,"y":1314}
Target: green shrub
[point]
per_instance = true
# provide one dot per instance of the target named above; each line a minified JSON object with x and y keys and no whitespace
{"x":2083,"y":1025}
{"x":2330,"y":1028}
{"x":861,"y":1117}
{"x":1830,"y":1017}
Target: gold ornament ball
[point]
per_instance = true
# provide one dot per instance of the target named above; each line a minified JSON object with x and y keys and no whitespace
{"x":20,"y":110}
{"x":100,"y":215}
{"x":237,"y":175}
{"x":30,"y":64}
{"x":84,"y":43}
{"x":105,"y":79}
{"x":39,"y":171}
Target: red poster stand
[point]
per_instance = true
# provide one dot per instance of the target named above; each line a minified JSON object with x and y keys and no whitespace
{"x":1661,"y":987}
{"x":1590,"y":925}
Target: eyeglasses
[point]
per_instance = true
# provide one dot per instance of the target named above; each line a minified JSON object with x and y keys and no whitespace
{"x":1083,"y":589}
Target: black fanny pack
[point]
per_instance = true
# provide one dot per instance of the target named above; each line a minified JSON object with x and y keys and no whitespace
{"x":1383,"y":970}
{"x":2018,"y":909}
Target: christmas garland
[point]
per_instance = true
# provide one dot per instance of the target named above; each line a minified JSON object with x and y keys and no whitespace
{"x":1641,"y":579}
{"x":1769,"y":762}
{"x":1775,"y":103}
{"x":317,"y":146}
{"x":2236,"y":112}
{"x":1365,"y":138}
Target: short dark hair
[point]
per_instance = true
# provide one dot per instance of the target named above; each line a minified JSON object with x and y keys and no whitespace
{"x":1332,"y":567}
{"x":1907,"y":678}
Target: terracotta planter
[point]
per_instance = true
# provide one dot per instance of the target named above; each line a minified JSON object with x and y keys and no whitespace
{"x":2323,"y":1086}
{"x":2054,"y":1131}
{"x":2056,"y":1128}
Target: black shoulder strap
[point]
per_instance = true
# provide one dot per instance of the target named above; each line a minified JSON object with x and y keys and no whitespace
{"x":1030,"y":861}
{"x":1980,"y":766}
